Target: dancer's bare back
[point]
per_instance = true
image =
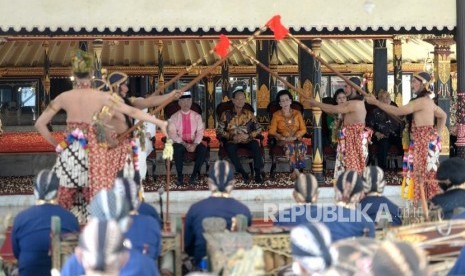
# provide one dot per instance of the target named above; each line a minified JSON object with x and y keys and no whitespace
{"x":82,"y":104}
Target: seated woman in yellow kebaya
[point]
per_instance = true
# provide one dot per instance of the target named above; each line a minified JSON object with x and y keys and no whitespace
{"x":288,"y":127}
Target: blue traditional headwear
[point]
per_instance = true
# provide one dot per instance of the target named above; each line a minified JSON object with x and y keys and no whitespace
{"x":46,"y":185}
{"x":349,"y":187}
{"x":425,"y":79}
{"x":310,"y":246}
{"x":306,"y":187}
{"x":108,"y":205}
{"x":373,"y":180}
{"x":451,"y":172}
{"x":356,"y":80}
{"x":117,"y":78}
{"x":129,"y":190}
{"x":221,"y":176}
{"x":102,"y":244}
{"x":399,"y":258}
{"x":99,"y":84}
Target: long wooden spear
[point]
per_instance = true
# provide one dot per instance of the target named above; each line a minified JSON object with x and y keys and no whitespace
{"x":274,"y":74}
{"x":195,"y":80}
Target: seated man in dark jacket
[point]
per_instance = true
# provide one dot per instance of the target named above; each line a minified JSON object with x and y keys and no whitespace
{"x":219,"y":204}
{"x":451,"y":177}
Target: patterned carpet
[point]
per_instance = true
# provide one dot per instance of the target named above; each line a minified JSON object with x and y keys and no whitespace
{"x":23,"y":185}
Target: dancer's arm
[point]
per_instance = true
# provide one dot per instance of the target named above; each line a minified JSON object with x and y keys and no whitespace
{"x":333,"y":109}
{"x":117,"y":103}
{"x":397,"y":111}
{"x":44,"y":118}
{"x":154,"y":100}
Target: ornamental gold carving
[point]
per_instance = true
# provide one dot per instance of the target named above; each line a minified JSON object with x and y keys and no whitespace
{"x":263,"y":97}
{"x":307,"y":91}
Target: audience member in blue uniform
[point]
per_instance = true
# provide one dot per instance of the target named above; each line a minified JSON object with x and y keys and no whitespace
{"x":354,"y":256}
{"x":219,"y":204}
{"x":144,"y":208}
{"x":351,"y":222}
{"x":310,"y":246}
{"x":374,"y":203}
{"x":459,"y":266}
{"x":344,"y":219}
{"x":451,"y":178}
{"x":399,"y":258}
{"x":108,"y":205}
{"x":144,"y":231}
{"x":30,"y":236}
{"x":305,"y":210}
{"x":148,"y":210}
{"x":101,"y":250}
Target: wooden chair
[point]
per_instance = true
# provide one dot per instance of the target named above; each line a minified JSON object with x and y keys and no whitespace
{"x":243,"y":153}
{"x":62,"y":245}
{"x":189,"y":157}
{"x":276,"y":152}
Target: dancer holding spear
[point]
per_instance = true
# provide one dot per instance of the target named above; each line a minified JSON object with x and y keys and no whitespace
{"x":425,"y":143}
{"x":353,"y":138}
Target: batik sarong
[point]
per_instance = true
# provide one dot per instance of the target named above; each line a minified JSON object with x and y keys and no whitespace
{"x":420,"y":163}
{"x":352,"y":149}
{"x":295,"y":151}
{"x":108,"y":162}
{"x":72,"y":168}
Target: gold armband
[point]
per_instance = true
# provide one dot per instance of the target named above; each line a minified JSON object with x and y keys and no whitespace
{"x":116,"y":100}
{"x":50,"y":106}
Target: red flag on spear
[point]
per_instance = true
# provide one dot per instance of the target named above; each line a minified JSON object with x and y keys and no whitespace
{"x":275,"y":25}
{"x":223,"y":46}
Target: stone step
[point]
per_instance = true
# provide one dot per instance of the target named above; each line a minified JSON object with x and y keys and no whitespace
{"x":25,"y":164}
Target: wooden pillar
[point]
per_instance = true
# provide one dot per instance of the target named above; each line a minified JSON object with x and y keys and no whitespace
{"x":210,"y":103}
{"x":263,"y":81}
{"x":305,"y":62}
{"x":45,"y":99}
{"x":397,"y":64}
{"x":380,"y":68}
{"x":273,"y":60}
{"x":442,"y":82}
{"x":225,"y":81}
{"x":460,"y":38}
{"x":453,"y":119}
{"x":98,"y":46}
{"x":310,"y":75}
{"x":161,"y":76}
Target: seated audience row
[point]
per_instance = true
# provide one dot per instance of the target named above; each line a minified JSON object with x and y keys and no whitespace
{"x":238,"y":128}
